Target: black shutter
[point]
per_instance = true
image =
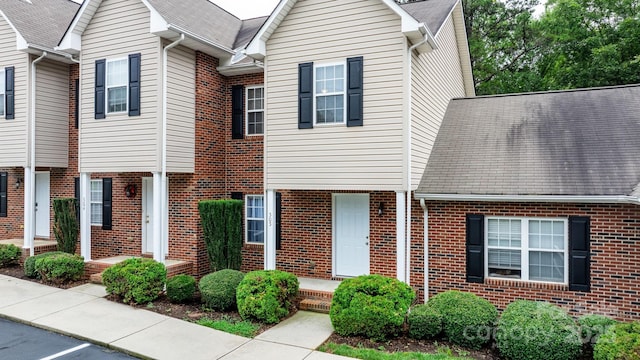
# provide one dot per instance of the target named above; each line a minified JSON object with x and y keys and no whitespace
{"x":305,"y":96}
{"x":100,"y":89}
{"x":475,"y":248}
{"x":237,"y":112}
{"x":4,"y":179}
{"x":106,"y":203}
{"x":9,"y":93}
{"x":134,"y":84}
{"x":76,"y":194}
{"x":354,"y":91}
{"x":278,"y":221}
{"x":579,"y":253}
{"x":76,"y":110}
{"x":237,"y":195}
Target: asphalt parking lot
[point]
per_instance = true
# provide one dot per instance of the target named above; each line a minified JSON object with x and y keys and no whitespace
{"x":23,"y":342}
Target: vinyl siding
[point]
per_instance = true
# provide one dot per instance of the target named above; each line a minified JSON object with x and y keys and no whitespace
{"x":181,"y":94}
{"x":121,"y":143}
{"x":52,"y":114}
{"x":437,"y":78}
{"x":336,"y":157}
{"x":13,"y":141}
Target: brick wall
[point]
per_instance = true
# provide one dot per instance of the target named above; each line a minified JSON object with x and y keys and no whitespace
{"x":11,"y":227}
{"x":615,"y":256}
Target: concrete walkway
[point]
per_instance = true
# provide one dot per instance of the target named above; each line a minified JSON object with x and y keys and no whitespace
{"x":82,"y":312}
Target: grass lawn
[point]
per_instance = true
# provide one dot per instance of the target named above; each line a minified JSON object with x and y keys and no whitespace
{"x":371,"y":354}
{"x":242,"y":328}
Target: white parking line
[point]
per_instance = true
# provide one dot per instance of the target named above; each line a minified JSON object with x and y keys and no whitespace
{"x":69,"y":351}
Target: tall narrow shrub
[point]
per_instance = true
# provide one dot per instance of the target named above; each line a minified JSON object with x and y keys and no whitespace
{"x":65,"y":224}
{"x":222,"y":228}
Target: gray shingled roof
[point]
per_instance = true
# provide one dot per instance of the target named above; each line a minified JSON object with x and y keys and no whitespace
{"x":40,"y":22}
{"x":431,"y":12}
{"x":580,"y":142}
{"x":248,"y":30}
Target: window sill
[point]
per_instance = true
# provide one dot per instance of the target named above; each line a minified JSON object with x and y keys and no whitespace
{"x":253,"y":246}
{"x":526,"y":284}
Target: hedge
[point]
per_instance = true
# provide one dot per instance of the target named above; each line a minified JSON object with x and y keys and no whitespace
{"x":9,"y":254}
{"x":222,"y":228}
{"x":218,"y":290}
{"x":266,"y":295}
{"x":135,"y":280}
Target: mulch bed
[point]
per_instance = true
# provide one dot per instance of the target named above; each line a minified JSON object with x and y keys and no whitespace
{"x":17,"y":271}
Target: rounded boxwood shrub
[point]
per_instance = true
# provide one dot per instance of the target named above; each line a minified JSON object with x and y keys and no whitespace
{"x":60,"y":268}
{"x":218,"y":290}
{"x":135,"y":280}
{"x":30,"y":263}
{"x":620,"y":341}
{"x":266,"y":295}
{"x":181,"y":288}
{"x":530,"y":330}
{"x":424,"y":322}
{"x":9,"y":254}
{"x":592,"y":326}
{"x":467,"y":319}
{"x":373,"y":306}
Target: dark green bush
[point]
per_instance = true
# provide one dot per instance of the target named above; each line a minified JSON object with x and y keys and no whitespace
{"x":424,"y":322}
{"x":218,"y":290}
{"x":266,"y":295}
{"x":30,"y":263}
{"x":181,"y":288}
{"x":135,"y":280}
{"x":467,"y":319}
{"x":65,"y":224}
{"x":373,"y":306}
{"x":530,"y":330}
{"x":60,"y":268}
{"x":9,"y":254}
{"x":620,"y":342}
{"x":593,"y":326}
{"x":222,"y":229}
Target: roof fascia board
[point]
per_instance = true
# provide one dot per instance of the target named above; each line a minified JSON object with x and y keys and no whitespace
{"x":533,"y":198}
{"x":72,"y":39}
{"x":21,"y":43}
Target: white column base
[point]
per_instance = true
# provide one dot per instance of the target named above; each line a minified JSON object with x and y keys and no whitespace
{"x":401,"y":240}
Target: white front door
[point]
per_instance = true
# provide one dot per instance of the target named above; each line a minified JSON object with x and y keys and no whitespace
{"x":42,"y":204}
{"x":147,"y":215}
{"x":351,"y":234}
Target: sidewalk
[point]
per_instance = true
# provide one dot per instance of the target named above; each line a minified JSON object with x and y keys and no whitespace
{"x":82,"y":313}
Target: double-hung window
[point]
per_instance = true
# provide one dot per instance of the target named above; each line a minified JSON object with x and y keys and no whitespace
{"x":96,"y":202}
{"x":329,"y":93}
{"x":529,"y":249}
{"x":255,"y":219}
{"x":2,"y":92}
{"x":255,"y":110}
{"x":117,"y":76}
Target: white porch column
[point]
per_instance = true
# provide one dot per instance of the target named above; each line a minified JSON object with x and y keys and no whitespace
{"x":270,"y":238}
{"x":85,"y":216}
{"x":29,"y":210}
{"x":158,"y":218}
{"x":401,"y":240}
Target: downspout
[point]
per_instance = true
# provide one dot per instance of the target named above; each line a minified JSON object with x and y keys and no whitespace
{"x":423,"y":205}
{"x":163,"y":179}
{"x":32,"y":156}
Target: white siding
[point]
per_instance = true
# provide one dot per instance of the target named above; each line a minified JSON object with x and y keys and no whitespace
{"x":437,"y":78}
{"x":121,"y":143}
{"x":52,"y":114}
{"x":336,"y":157}
{"x":13,"y":138}
{"x":181,"y":94}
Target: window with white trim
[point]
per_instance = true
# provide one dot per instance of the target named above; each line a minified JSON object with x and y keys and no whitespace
{"x":96,"y":202}
{"x":255,"y":110}
{"x":2,"y":92}
{"x":254,"y":219}
{"x":329,"y":93}
{"x":529,"y":249}
{"x":117,"y":82}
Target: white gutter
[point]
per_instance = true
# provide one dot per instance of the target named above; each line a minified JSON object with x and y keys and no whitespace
{"x":423,"y":205}
{"x":198,"y":38}
{"x":534,"y":198}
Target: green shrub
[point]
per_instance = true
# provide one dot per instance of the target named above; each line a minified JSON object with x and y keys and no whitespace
{"x":135,"y":279}
{"x":9,"y":254}
{"x":593,"y":326}
{"x":373,"y":306}
{"x":60,"y":268}
{"x":620,"y":342}
{"x":467,"y":319}
{"x":218,"y":290}
{"x":424,"y":322}
{"x":530,"y":330}
{"x":30,"y":263}
{"x":181,"y":288}
{"x":65,"y":224}
{"x":222,"y":229}
{"x":266,"y":295}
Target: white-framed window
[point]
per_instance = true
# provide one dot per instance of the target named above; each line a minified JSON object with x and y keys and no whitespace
{"x":254,"y":209}
{"x":528,"y":249}
{"x":255,"y":110}
{"x":96,"y":202}
{"x":2,"y":94}
{"x":329,"y":93}
{"x":117,"y":82}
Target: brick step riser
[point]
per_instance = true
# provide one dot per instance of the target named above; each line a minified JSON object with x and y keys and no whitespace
{"x":315,"y":295}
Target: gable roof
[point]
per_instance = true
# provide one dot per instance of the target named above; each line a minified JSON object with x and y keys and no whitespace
{"x":248,"y":30}
{"x":582,"y":143}
{"x":433,"y":13}
{"x":39,"y":22}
